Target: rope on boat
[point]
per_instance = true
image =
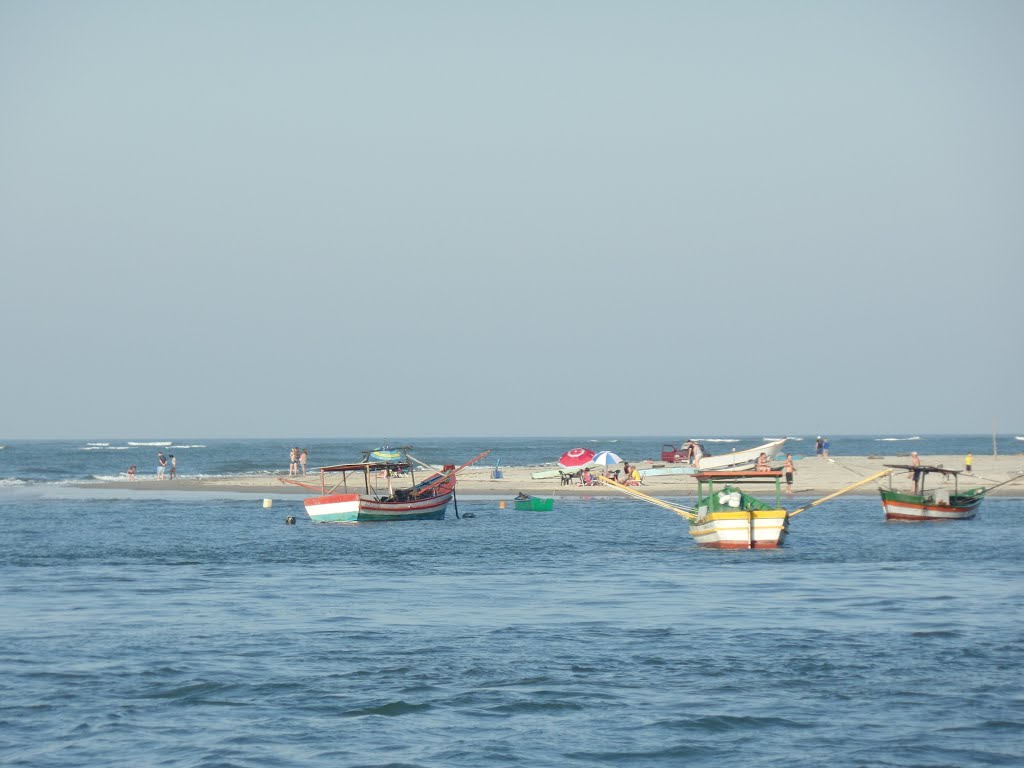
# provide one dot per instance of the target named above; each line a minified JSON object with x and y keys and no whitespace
{"x":686,"y":512}
{"x":840,"y":492}
{"x":844,"y":466}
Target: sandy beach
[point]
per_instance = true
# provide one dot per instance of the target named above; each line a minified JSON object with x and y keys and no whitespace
{"x":815,"y":476}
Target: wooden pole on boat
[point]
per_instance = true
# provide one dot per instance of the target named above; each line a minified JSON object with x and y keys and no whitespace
{"x":681,"y":511}
{"x":1011,"y":480}
{"x":847,"y":489}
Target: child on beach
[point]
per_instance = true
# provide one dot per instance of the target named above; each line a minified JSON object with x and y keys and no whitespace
{"x":131,"y":472}
{"x":302,"y":460}
{"x":174,"y":466}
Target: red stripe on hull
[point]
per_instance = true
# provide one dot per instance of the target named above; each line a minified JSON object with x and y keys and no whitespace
{"x":915,"y":512}
{"x":334,"y":498}
{"x":739,"y":545}
{"x":925,"y":518}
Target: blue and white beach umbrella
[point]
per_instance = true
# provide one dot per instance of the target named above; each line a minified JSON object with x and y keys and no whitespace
{"x":606,"y":458}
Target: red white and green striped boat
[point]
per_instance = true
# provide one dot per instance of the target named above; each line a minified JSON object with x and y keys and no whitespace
{"x":378,"y":499}
{"x":936,"y":504}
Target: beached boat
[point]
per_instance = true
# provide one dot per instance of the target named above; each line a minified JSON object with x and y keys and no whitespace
{"x":535,"y":504}
{"x":376,"y":497}
{"x":934,"y":504}
{"x":735,"y":460}
{"x":727,"y":517}
{"x":705,"y":462}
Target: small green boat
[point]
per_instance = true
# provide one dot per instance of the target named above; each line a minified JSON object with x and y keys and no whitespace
{"x":533,"y":504}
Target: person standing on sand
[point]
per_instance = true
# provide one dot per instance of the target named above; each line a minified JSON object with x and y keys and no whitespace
{"x":824,"y":447}
{"x":293,"y":462}
{"x":161,"y":465}
{"x":818,"y":445}
{"x":968,"y":462}
{"x":302,"y":460}
{"x":131,"y":472}
{"x":174,"y":466}
{"x":789,"y":469}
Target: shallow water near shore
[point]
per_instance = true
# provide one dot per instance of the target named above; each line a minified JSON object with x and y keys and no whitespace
{"x":205,"y":631}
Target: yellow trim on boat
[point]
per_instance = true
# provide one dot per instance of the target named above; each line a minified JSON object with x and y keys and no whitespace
{"x":758,"y":514}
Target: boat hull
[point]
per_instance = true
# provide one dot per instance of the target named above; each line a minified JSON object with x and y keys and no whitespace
{"x":535,"y":505}
{"x":753,"y":529}
{"x":354,"y":508}
{"x":908,"y":507}
{"x":738,"y":459}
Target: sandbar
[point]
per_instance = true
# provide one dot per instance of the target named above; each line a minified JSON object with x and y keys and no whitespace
{"x":814,"y":476}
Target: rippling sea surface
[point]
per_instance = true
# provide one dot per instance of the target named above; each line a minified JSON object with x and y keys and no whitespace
{"x":204,"y":631}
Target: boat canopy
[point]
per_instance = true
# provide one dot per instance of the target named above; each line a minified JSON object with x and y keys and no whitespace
{"x":367,"y":466}
{"x":926,"y":468}
{"x":726,"y":474}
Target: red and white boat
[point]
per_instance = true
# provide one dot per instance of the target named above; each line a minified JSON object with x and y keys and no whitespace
{"x":377,"y":497}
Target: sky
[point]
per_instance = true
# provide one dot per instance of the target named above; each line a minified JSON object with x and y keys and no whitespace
{"x":276,"y":219}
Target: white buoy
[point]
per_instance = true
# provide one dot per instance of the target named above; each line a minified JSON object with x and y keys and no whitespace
{"x":268,"y":503}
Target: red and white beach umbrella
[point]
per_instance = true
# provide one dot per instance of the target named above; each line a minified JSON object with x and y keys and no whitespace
{"x":576,"y":458}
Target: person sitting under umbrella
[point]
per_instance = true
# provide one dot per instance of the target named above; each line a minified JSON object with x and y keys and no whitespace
{"x":586,"y":478}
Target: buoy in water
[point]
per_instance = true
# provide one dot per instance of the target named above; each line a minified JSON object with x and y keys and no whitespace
{"x":290,"y":520}
{"x":501,"y":504}
{"x":268,"y":503}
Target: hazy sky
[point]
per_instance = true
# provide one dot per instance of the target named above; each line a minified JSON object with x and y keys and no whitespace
{"x":532,"y":218}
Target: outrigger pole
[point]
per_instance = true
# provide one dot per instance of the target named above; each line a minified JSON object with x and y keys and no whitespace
{"x":1011,"y":480}
{"x":681,"y":511}
{"x":848,"y":488}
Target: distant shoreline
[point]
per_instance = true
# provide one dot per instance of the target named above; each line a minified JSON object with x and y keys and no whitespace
{"x":814,"y":476}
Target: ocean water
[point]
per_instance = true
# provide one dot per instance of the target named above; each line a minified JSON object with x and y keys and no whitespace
{"x":201,"y":630}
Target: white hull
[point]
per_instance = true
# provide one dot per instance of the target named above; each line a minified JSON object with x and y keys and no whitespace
{"x":351,"y":507}
{"x":738,"y":459}
{"x":740,"y":530}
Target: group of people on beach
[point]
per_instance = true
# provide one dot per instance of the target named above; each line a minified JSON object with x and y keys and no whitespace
{"x":297,"y":461}
{"x":166,"y":467}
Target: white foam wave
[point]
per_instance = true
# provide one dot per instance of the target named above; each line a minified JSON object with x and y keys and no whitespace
{"x":1018,"y":437}
{"x":165,"y":443}
{"x":107,"y":447}
{"x":719,"y":440}
{"x":188,"y":446}
{"x":895,"y":439}
{"x":10,"y":482}
{"x":99,"y":445}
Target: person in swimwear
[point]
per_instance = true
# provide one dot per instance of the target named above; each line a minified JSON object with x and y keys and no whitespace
{"x":789,"y":469}
{"x":762,"y":463}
